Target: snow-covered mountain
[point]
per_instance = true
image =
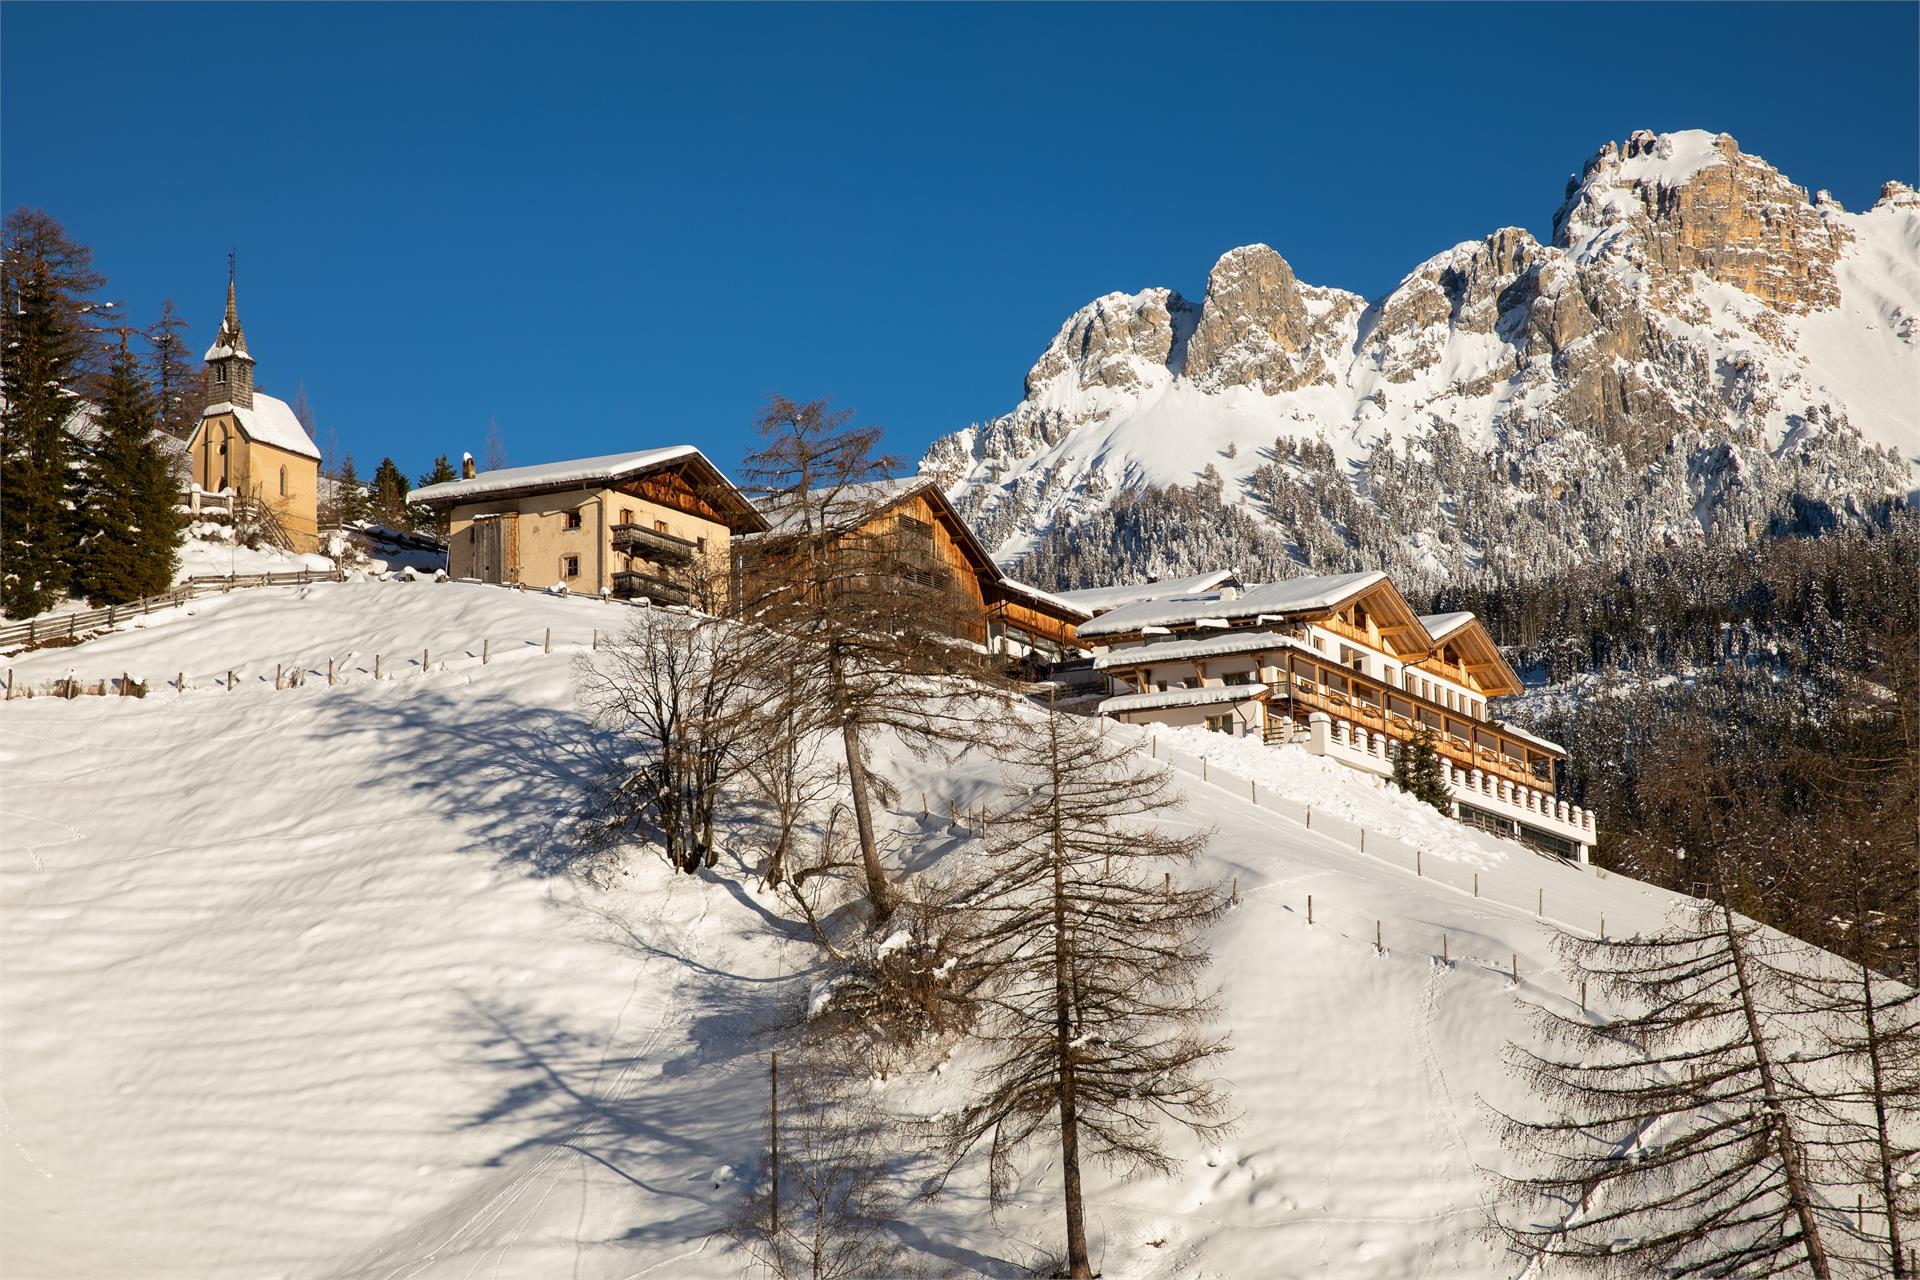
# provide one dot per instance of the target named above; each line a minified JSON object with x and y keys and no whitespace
{"x":1702,"y":352}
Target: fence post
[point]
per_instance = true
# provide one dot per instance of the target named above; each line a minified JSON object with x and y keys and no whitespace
{"x":1203,"y":768}
{"x":1603,"y":926}
{"x":1377,"y":948}
{"x":772,"y":1135}
{"x":1253,"y":793}
{"x":229,"y":680}
{"x":9,"y":684}
{"x":1446,"y":950}
{"x":1309,"y":908}
{"x":486,"y":647}
{"x":596,"y":639}
{"x":423,"y":661}
{"x":1167,"y":884}
{"x":278,"y":671}
{"x":1417,"y":868}
{"x":180,"y":681}
{"x":1309,"y":817}
{"x":376,"y":666}
{"x":1583,"y":993}
{"x":547,"y":644}
{"x":1363,"y":839}
{"x":1153,"y":748}
{"x":1516,"y":966}
{"x":1236,"y":891}
{"x":1540,"y":908}
{"x":923,"y":806}
{"x":329,"y":673}
{"x":72,"y":621}
{"x":1476,"y":884}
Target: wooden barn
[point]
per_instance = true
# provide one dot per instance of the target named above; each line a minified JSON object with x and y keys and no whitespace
{"x":927,"y":541}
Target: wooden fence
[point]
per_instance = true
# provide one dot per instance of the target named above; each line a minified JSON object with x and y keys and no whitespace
{"x":70,"y":627}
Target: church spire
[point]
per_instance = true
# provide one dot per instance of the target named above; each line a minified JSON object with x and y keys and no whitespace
{"x":229,"y":365}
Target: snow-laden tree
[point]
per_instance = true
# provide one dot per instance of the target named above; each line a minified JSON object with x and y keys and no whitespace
{"x":127,"y":532}
{"x":46,"y":355}
{"x":1085,"y":959}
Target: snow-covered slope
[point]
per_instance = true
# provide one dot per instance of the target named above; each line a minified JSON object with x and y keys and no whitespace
{"x":1703,"y":350}
{"x":289,"y":989}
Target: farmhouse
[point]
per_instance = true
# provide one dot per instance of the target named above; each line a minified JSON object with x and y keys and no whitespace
{"x":250,"y":446}
{"x":927,"y":540}
{"x":1344,"y":665}
{"x":656,"y":523}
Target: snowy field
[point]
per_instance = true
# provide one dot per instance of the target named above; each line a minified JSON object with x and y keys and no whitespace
{"x":290,"y":989}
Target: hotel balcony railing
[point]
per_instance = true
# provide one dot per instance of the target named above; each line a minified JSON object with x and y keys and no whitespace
{"x":1455,"y":749}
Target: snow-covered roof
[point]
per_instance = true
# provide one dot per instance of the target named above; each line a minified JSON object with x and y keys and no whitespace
{"x":271,"y":422}
{"x":1535,"y":739}
{"x":1181,"y":698}
{"x":1279,"y":598}
{"x":220,"y":351}
{"x":1098,"y":600}
{"x":581,"y":471}
{"x":1050,"y":599}
{"x":1139,"y":655}
{"x":1442,"y":625}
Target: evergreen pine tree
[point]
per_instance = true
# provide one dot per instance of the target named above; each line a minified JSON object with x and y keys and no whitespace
{"x":127,"y":531}
{"x":1417,"y":771}
{"x":435,"y":522}
{"x":173,"y":374}
{"x":390,"y":495}
{"x":44,"y":350}
{"x":352,"y":503}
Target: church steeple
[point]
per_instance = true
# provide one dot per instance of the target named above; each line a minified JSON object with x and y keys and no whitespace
{"x":229,"y":366}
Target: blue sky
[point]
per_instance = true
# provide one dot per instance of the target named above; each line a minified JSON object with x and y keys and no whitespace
{"x":620,"y":226}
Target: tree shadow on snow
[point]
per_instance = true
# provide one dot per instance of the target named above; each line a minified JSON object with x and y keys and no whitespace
{"x":512,"y":774}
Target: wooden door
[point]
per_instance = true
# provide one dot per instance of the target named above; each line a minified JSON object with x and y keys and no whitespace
{"x":489,"y":551}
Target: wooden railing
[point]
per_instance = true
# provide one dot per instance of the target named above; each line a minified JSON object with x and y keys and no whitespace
{"x":628,"y":583}
{"x":1372,"y":719}
{"x":70,"y":627}
{"x":636,"y":539}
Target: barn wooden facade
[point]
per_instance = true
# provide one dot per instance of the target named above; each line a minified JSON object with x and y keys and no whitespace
{"x":927,"y":541}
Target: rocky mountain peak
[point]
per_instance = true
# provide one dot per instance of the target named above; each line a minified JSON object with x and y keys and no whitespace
{"x":1259,"y":327}
{"x":1115,"y":340}
{"x":1675,"y":203}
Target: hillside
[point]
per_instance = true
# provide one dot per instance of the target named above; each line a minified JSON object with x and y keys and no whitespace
{"x":293,"y":987}
{"x":1703,"y":352}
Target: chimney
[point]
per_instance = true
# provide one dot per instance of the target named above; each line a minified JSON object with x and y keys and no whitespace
{"x":466,"y":466}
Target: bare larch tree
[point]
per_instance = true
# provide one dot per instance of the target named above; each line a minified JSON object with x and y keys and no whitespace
{"x":856,"y":597}
{"x":1085,"y":962}
{"x":673,"y":691}
{"x":1669,"y":1138}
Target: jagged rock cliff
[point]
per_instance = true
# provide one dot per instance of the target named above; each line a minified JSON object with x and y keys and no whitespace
{"x":1703,"y":352}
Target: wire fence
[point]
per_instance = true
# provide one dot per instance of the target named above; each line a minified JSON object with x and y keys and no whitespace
{"x":353,"y":667}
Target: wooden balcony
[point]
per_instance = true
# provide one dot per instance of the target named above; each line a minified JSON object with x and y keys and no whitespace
{"x":663,"y":548}
{"x":630,"y":584}
{"x":1464,"y":754}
